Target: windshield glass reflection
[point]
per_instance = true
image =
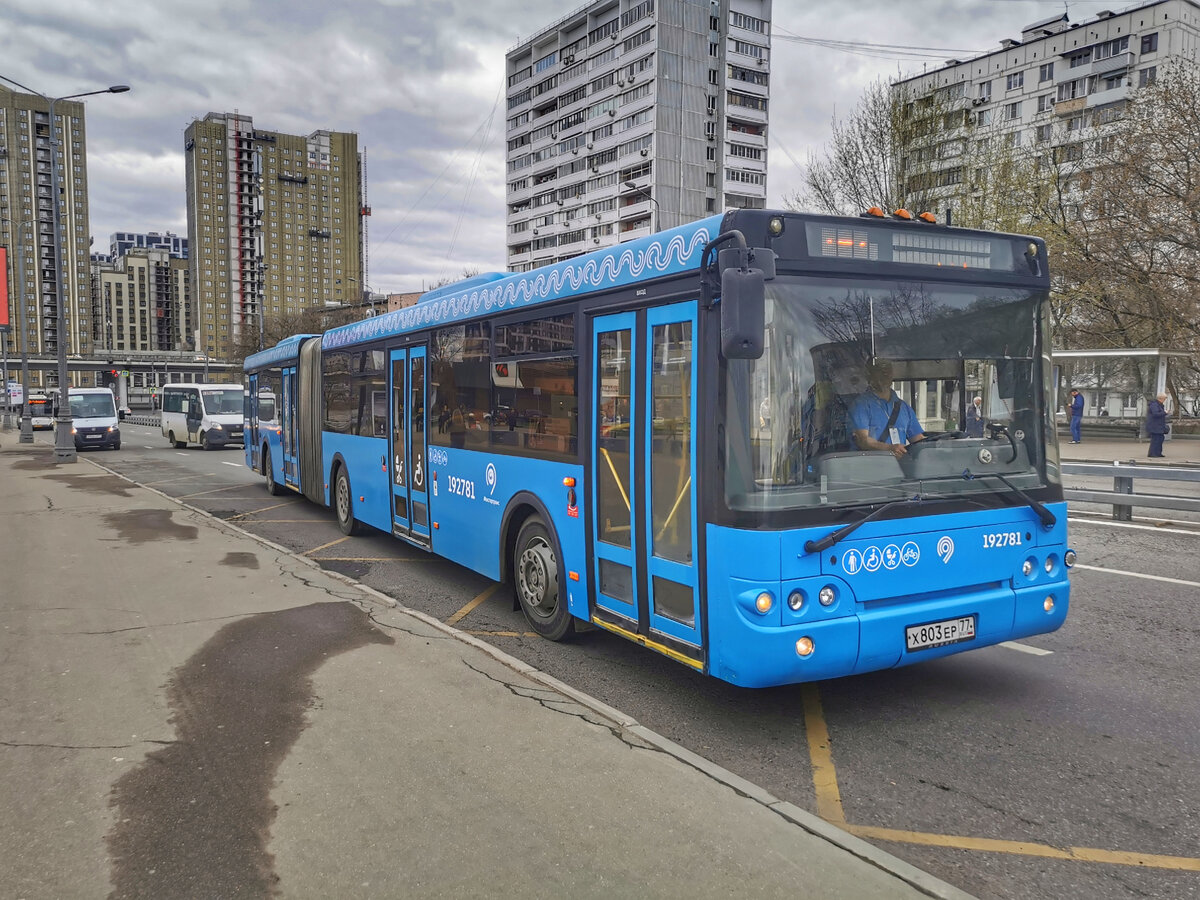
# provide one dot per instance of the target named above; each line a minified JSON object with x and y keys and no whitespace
{"x":875,"y":391}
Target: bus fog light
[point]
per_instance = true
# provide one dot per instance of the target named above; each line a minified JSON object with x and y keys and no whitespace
{"x":1049,"y":564}
{"x":795,"y":601}
{"x":1027,"y":567}
{"x":1048,"y":603}
{"x":805,"y":646}
{"x":827,"y":596}
{"x":763,"y":602}
{"x":1069,"y":558}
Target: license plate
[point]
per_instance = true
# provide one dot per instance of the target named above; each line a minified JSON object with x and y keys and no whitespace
{"x":92,"y":437}
{"x":939,"y":634}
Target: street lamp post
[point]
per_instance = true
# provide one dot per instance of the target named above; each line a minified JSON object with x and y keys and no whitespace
{"x":64,"y":441}
{"x":26,"y":420}
{"x":657,"y":213}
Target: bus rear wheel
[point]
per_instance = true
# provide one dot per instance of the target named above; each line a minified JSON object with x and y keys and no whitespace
{"x":536,"y":582}
{"x":268,"y":470}
{"x":343,"y":503}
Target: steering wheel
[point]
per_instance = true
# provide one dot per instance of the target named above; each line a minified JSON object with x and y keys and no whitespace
{"x":996,"y":429}
{"x":930,"y":438}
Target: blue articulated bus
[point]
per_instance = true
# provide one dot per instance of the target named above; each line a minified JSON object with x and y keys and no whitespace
{"x":775,"y":447}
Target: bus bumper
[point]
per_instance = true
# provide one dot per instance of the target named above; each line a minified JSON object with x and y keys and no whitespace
{"x":753,"y":655}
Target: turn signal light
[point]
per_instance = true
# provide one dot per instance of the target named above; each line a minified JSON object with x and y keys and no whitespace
{"x":568,"y":482}
{"x":763,"y":602}
{"x":805,"y":646}
{"x":1048,"y":603}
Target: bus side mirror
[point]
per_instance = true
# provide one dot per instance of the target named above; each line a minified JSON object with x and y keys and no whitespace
{"x":743,"y":301}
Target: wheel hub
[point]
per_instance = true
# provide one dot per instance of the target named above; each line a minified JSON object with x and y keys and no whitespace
{"x":538,"y":577}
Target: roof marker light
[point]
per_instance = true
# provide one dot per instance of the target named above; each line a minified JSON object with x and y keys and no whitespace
{"x":928,"y":217}
{"x":902,"y":214}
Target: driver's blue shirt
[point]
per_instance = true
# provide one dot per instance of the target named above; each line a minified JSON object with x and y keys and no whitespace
{"x":871,"y":412}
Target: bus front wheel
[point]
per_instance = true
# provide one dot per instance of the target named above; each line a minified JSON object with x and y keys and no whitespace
{"x":268,"y":470}
{"x":536,"y":582}
{"x":343,"y":503}
{"x":179,"y":445}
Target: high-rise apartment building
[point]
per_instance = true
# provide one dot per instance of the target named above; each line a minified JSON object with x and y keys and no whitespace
{"x":123,"y":241}
{"x":1054,"y":89}
{"x":631,"y":116}
{"x":27,"y":223}
{"x":141,"y":300}
{"x":274,"y":226}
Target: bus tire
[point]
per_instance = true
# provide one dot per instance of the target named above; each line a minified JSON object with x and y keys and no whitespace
{"x":539,"y":590}
{"x":343,"y":503}
{"x":179,"y":445}
{"x":268,"y":471}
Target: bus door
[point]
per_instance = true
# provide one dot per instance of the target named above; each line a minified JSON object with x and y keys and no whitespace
{"x":289,"y":438}
{"x":250,"y":442}
{"x":406,"y":443}
{"x":644,"y":473}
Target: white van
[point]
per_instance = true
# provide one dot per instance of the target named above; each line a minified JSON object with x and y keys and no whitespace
{"x":94,"y":419}
{"x":206,"y":414}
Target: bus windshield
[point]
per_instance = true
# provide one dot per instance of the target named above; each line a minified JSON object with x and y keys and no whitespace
{"x":222,"y":401}
{"x":963,"y":393}
{"x":92,"y":406}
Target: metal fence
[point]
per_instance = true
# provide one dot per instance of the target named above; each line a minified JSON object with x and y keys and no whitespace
{"x":1122,"y":496}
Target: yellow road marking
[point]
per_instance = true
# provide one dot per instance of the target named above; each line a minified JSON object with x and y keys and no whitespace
{"x":255,"y":512}
{"x":504,"y":633}
{"x":1028,"y":848}
{"x":466,"y":610}
{"x":376,"y":558}
{"x":323,"y":546}
{"x":230,"y":487}
{"x":820,"y":753}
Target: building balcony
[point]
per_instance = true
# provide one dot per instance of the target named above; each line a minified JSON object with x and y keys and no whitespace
{"x":1102,"y":98}
{"x":1070,"y":107}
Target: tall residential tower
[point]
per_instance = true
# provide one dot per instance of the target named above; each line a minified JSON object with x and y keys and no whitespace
{"x":27,"y":222}
{"x":274,"y":226}
{"x":631,"y":116}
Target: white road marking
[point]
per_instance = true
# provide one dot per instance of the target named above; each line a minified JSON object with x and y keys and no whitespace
{"x":1025,"y":648}
{"x":1133,"y":525}
{"x":238,"y":464}
{"x":1195,"y":584}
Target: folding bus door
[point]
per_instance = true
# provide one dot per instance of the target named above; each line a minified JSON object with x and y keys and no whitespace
{"x":407,"y":445}
{"x":644,"y":474}
{"x":289,"y":437}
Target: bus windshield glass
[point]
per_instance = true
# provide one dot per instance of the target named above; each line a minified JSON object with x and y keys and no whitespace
{"x":223,"y":401}
{"x":870,"y":391}
{"x":92,"y":406}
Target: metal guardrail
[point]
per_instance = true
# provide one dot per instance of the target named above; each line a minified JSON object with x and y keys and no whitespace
{"x":1122,"y":497}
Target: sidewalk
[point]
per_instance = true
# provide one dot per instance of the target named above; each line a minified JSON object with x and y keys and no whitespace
{"x":1179,"y":452}
{"x":187,"y":711}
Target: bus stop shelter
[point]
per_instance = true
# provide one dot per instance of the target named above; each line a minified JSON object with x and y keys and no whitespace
{"x":1116,"y":384}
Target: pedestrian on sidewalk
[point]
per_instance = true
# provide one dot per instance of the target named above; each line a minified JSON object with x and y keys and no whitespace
{"x":1156,"y":424}
{"x":1076,"y":416}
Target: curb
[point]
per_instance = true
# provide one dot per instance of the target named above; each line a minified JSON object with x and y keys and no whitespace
{"x":809,"y":822}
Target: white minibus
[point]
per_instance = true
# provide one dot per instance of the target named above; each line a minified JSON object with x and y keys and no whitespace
{"x":206,"y":414}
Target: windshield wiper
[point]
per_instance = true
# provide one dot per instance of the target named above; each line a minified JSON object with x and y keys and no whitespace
{"x":1048,"y":518}
{"x":833,"y":537}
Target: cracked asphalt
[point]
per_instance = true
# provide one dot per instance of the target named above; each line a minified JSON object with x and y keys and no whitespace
{"x":1068,"y":768}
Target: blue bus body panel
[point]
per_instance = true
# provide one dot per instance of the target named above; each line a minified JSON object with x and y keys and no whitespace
{"x":469,"y":493}
{"x":286,"y":351}
{"x":885,"y":579}
{"x":366,"y":461}
{"x":666,"y":253}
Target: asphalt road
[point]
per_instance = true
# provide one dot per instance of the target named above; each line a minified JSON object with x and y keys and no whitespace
{"x":1064,"y":766}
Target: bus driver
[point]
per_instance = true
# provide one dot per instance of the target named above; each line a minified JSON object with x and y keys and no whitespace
{"x":879,"y":419}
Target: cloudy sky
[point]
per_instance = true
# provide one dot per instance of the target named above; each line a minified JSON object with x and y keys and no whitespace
{"x":422,"y":85}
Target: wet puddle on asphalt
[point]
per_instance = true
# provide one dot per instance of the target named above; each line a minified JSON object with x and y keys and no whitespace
{"x":194,"y":819}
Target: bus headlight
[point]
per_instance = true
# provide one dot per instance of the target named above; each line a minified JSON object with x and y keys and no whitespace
{"x":805,"y":646}
{"x":795,"y":601}
{"x":827,"y":596}
{"x":1069,"y":558}
{"x":763,"y":602}
{"x":1027,"y":568}
{"x":216,"y":426}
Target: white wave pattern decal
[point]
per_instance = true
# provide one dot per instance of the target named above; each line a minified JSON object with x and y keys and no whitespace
{"x":620,"y":266}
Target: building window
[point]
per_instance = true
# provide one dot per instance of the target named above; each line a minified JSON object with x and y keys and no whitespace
{"x":1014,"y":81}
{"x":1045,"y":72}
{"x":1012,"y":111}
{"x":1150,"y":43}
{"x":1045,"y":103}
{"x":1146,"y":76}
